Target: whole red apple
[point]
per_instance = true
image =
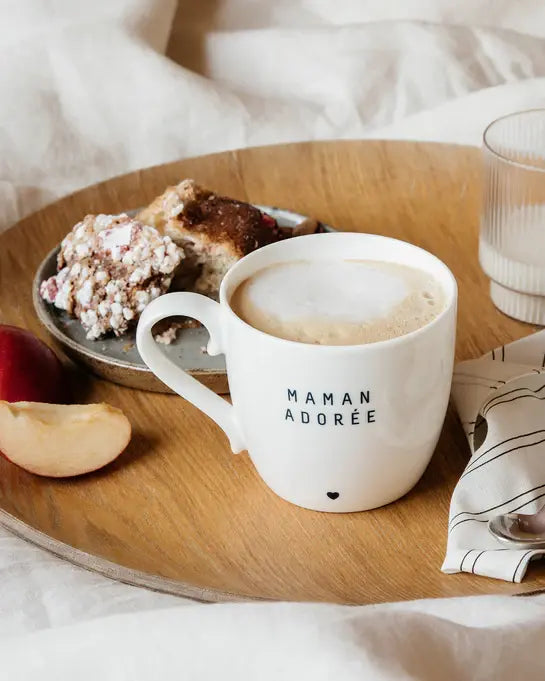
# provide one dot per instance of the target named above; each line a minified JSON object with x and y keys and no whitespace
{"x":29,"y":370}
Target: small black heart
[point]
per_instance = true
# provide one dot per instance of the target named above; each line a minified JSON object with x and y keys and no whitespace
{"x":332,"y":495}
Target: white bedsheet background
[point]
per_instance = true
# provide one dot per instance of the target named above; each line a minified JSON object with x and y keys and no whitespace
{"x":86,"y":90}
{"x":93,"y":89}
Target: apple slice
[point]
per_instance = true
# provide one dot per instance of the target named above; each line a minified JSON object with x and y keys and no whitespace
{"x":60,"y":440}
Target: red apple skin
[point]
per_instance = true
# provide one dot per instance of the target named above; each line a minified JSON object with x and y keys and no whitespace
{"x":29,"y":370}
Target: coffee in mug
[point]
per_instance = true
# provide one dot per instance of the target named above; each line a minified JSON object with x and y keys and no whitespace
{"x":343,"y":414}
{"x":338,"y":302}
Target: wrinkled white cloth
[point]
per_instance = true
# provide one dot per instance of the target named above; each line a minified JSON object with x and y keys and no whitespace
{"x":89,"y":90}
{"x":500,"y":401}
{"x":86,"y":91}
{"x":477,"y":639}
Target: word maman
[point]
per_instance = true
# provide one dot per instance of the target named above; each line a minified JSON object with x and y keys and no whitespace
{"x":364,"y":397}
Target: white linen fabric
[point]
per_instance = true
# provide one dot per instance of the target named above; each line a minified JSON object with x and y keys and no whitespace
{"x":93,"y":89}
{"x":477,"y":639}
{"x":87,"y":92}
{"x":500,"y":399}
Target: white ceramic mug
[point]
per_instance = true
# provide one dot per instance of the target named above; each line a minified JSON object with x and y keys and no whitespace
{"x":330,"y":428}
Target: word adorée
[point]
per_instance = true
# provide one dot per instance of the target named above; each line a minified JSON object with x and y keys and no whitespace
{"x":312,"y":408}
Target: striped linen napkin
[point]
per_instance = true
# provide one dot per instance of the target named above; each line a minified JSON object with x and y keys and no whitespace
{"x":500,"y":399}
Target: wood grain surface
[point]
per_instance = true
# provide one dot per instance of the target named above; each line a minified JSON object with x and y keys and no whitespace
{"x":177,"y":511}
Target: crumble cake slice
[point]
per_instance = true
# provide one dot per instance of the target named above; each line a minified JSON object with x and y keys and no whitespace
{"x":109,"y":268}
{"x":214,"y":231}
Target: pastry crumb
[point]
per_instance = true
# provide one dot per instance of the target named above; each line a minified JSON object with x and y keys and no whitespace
{"x":166,"y":337}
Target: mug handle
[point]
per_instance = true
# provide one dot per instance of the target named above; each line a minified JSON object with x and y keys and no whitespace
{"x":208,"y":312}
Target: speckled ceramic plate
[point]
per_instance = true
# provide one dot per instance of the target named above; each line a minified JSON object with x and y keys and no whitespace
{"x":117,"y":359}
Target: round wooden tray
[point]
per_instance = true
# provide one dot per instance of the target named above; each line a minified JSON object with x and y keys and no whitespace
{"x":177,"y":511}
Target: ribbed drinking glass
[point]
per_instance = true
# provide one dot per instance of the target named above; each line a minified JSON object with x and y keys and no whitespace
{"x":512,"y":238}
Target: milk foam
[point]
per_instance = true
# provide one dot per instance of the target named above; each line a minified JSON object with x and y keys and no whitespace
{"x":338,"y":302}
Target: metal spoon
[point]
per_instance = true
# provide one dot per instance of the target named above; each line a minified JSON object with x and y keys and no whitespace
{"x":520,"y":530}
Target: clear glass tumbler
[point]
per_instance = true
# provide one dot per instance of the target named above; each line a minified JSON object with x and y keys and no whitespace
{"x":512,"y":237}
